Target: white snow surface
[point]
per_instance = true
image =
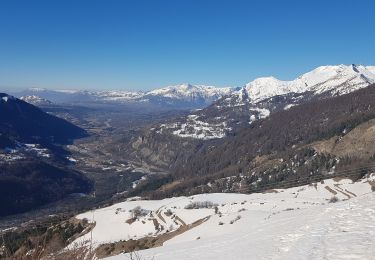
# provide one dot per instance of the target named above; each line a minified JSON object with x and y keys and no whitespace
{"x":35,"y":100}
{"x":295,"y":223}
{"x":190,"y":92}
{"x":183,"y":92}
{"x":341,"y":78}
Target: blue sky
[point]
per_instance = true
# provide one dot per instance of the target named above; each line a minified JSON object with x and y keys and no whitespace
{"x":140,"y":45}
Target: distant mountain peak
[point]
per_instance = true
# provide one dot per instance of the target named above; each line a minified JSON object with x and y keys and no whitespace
{"x":263,"y":96}
{"x":339,"y":78}
{"x":35,"y":100}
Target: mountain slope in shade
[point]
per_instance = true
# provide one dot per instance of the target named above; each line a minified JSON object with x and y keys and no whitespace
{"x":25,"y":122}
{"x":28,"y":184}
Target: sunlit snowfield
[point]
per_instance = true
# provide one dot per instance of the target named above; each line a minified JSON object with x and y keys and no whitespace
{"x":296,"y":223}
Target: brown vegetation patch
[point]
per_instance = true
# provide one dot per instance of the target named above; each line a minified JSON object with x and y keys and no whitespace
{"x":372,"y":184}
{"x":41,"y":240}
{"x":359,"y":142}
{"x":271,"y":191}
{"x":338,"y":179}
{"x":169,"y":185}
{"x":131,"y":220}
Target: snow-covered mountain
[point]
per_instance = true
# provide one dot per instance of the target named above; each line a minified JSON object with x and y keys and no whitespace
{"x":263,"y":96}
{"x":35,"y":100}
{"x":339,"y":79}
{"x":189,"y":92}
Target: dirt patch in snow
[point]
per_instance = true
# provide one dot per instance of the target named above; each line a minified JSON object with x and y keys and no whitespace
{"x":270,"y":191}
{"x":161,"y":217}
{"x":131,"y":220}
{"x":372,"y":184}
{"x":330,"y":190}
{"x":351,"y":193}
{"x":156,"y":224}
{"x":345,"y":194}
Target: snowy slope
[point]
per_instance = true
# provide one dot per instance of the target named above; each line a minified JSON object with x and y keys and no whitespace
{"x":344,"y":230}
{"x":254,"y":224}
{"x":341,"y":79}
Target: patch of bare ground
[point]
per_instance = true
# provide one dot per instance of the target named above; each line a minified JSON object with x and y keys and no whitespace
{"x":372,"y":184}
{"x":161,"y":217}
{"x":330,"y":190}
{"x":345,"y":194}
{"x":351,"y":193}
{"x":339,"y":189}
{"x":131,"y":220}
{"x":270,"y":191}
{"x":131,"y":245}
{"x":157,"y":225}
{"x":359,"y":142}
{"x":169,"y":186}
{"x":42,"y":242}
{"x":338,"y":179}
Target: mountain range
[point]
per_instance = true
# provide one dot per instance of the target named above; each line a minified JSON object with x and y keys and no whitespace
{"x":263,"y":96}
{"x":307,"y":133}
{"x":265,"y":124}
{"x":337,"y":80}
{"x":184,"y":96}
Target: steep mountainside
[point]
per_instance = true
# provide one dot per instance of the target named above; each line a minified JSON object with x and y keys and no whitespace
{"x":24,"y":122}
{"x":28,"y":184}
{"x":286,"y":145}
{"x":263,"y":96}
{"x":32,"y":160}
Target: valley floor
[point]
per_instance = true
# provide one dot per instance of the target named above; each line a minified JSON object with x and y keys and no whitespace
{"x":296,"y":223}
